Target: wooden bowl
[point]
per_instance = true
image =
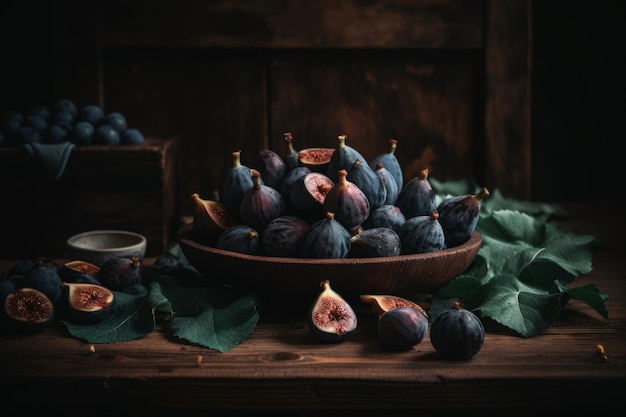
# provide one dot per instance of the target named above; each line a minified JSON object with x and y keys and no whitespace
{"x":276,"y":278}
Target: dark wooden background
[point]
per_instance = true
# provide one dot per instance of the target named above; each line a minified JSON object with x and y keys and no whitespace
{"x":522,"y":96}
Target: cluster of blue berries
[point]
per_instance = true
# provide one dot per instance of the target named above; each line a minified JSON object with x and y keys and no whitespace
{"x":65,"y":122}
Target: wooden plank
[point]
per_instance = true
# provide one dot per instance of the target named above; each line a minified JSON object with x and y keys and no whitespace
{"x":301,"y":24}
{"x":508,"y":96}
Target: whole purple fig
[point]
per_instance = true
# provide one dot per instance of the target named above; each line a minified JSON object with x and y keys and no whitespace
{"x":261,"y":204}
{"x":118,"y":273}
{"x":348,"y":202}
{"x":459,"y":216}
{"x":417,"y":197}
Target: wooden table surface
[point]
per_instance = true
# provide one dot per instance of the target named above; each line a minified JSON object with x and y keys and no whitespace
{"x":280,"y":367}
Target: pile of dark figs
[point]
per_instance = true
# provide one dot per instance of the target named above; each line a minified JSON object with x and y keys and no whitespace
{"x":332,"y":203}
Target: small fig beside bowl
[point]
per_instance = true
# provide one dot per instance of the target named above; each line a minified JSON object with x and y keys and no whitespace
{"x":402,"y":328}
{"x":457,"y":333}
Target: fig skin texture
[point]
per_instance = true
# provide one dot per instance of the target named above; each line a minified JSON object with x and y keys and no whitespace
{"x":417,"y":197}
{"x":240,"y":238}
{"x":272,"y":168}
{"x":348,"y":202}
{"x":326,"y":239}
{"x":46,"y":280}
{"x":387,"y":215}
{"x":331,"y":318}
{"x":402,"y":328}
{"x":343,"y":158}
{"x":421,"y":234}
{"x":376,"y":242}
{"x":88,"y":303}
{"x":29,"y":309}
{"x":457,"y":333}
{"x":391,"y":163}
{"x":283,"y":235}
{"x":459,"y":216}
{"x":261,"y":204}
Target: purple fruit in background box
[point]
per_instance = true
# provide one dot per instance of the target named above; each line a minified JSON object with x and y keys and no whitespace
{"x":401,"y":328}
{"x":272,"y":168}
{"x":82,"y":133}
{"x":369,"y":182}
{"x":342,"y":158}
{"x":118,"y":273}
{"x":261,"y":204}
{"x":391,"y":163}
{"x":116,"y":120}
{"x":132,"y":137}
{"x":240,"y":238}
{"x":106,"y":135}
{"x":459,"y":216}
{"x":65,"y":105}
{"x":457,"y":333}
{"x":348,"y":203}
{"x":283,"y":236}
{"x":417,"y":197}
{"x":421,"y":234}
{"x":92,"y":114}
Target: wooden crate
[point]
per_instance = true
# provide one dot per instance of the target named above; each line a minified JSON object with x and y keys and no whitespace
{"x":103,"y":187}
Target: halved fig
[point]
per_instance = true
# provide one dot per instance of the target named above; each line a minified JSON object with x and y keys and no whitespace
{"x":88,"y":303}
{"x":331,"y":318}
{"x":381,"y":303}
{"x":210,"y":219}
{"x":29,"y":309}
{"x":78,"y":267}
{"x":316,"y":159}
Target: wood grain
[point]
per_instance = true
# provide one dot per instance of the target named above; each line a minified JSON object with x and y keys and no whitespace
{"x":282,"y":368}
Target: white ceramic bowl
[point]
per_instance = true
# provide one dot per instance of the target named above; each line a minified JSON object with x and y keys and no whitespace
{"x":98,"y":246}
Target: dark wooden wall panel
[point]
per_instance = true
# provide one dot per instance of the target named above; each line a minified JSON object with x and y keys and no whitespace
{"x":211,"y":99}
{"x":424,"y":100}
{"x":293,"y":24}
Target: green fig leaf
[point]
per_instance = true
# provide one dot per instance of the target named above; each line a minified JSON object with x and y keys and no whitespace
{"x":522,"y":271}
{"x":591,"y":295}
{"x":220,"y":329}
